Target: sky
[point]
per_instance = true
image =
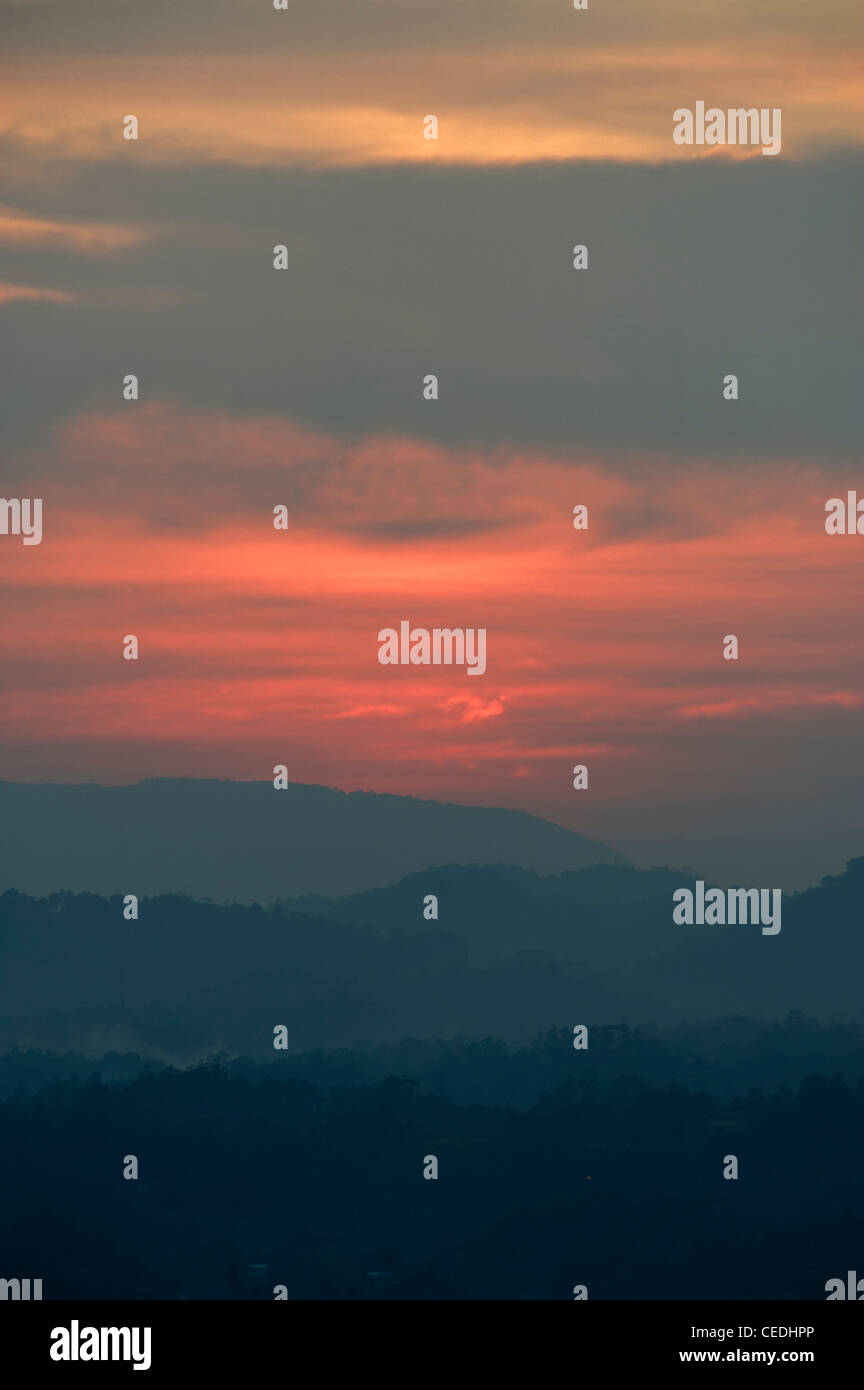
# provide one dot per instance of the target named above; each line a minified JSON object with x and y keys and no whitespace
{"x":303,"y":388}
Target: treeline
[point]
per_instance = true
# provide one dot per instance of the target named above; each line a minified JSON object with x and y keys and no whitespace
{"x":725,"y":1057}
{"x":247,"y":1184}
{"x":511,"y":955}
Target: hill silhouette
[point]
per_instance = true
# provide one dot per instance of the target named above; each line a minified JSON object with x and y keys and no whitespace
{"x":246,"y":842}
{"x":190,"y":978}
{"x":604,"y":915}
{"x":246,"y":1182}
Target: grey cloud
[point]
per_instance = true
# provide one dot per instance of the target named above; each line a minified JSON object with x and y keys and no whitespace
{"x":432,"y":528}
{"x":696,"y":270}
{"x":347,"y":26}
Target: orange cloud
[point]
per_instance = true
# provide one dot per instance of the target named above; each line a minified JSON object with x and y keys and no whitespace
{"x":88,"y":238}
{"x":602,"y":645}
{"x":473,"y":709}
{"x":10,"y":293}
{"x":556,"y":98}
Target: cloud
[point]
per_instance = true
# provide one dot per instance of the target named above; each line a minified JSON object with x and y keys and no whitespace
{"x":400,"y":272}
{"x":502,"y":107}
{"x":473,"y":709}
{"x":369,"y":712}
{"x":89,"y":239}
{"x":194,"y":472}
{"x":625,"y":619}
{"x":772,"y":703}
{"x":304,"y":388}
{"x":844,"y":699}
{"x":725,"y":709}
{"x":603,"y":647}
{"x":10,"y":294}
{"x":396,"y":27}
{"x":349,"y":84}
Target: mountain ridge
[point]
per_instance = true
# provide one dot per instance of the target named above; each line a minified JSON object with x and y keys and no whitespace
{"x":246,"y":842}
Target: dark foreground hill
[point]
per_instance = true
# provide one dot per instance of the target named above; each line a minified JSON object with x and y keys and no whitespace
{"x":243,"y":1186}
{"x":246,"y":842}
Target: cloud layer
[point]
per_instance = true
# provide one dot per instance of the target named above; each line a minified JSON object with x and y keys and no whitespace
{"x":260,"y":646}
{"x":303,"y":387}
{"x":350,"y":83}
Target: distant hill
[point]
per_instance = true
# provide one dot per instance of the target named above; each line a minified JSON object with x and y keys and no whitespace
{"x":605,"y":916}
{"x":814,"y":964}
{"x":190,"y":978}
{"x":245,"y":842}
